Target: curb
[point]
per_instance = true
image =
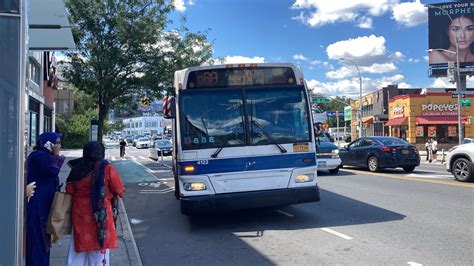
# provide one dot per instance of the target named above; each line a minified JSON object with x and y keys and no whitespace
{"x":129,"y":239}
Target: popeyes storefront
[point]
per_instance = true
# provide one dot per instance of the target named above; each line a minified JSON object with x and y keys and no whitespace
{"x":417,"y":117}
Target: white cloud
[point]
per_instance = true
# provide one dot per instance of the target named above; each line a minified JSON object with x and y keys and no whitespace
{"x":238,"y":59}
{"x":398,"y":55}
{"x":350,"y":87}
{"x":410,"y":14}
{"x":316,"y":62}
{"x":442,"y":83}
{"x":365,"y":23}
{"x":340,"y":73}
{"x":179,"y":5}
{"x":364,"y":50}
{"x":191,"y":2}
{"x":350,"y":71}
{"x":426,"y":58}
{"x":413,"y":60}
{"x":379,"y":68}
{"x":321,"y":12}
{"x":299,"y":57}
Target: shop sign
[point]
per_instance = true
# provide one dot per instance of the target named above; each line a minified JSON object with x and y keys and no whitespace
{"x":433,"y":109}
{"x":398,"y":111}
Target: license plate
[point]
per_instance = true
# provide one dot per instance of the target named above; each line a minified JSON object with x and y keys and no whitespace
{"x":405,"y":151}
{"x":321,"y":164}
{"x":300,"y":147}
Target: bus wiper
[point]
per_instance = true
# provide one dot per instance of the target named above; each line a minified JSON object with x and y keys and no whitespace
{"x":214,"y":155}
{"x":282,"y":150}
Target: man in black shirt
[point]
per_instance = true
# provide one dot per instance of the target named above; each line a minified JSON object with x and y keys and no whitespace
{"x":122,"y":143}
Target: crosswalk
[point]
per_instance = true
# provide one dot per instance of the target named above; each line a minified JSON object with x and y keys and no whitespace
{"x":431,"y":174}
{"x":134,"y":158}
{"x":78,"y":153}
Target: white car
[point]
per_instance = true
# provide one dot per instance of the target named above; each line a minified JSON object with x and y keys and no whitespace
{"x":460,"y":162}
{"x":142,"y":143}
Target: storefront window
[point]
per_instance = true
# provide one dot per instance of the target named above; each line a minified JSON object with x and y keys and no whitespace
{"x":442,"y":133}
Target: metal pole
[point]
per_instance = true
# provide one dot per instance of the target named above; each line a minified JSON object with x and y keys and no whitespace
{"x":458,"y":72}
{"x":360,"y":95}
{"x":337,"y":126}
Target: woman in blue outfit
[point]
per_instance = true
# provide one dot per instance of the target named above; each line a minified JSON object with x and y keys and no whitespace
{"x":43,"y":166}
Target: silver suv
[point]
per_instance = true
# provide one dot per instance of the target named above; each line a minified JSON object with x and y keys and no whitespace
{"x":460,"y":162}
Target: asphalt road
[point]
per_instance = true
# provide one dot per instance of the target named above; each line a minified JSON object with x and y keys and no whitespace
{"x":393,"y":218}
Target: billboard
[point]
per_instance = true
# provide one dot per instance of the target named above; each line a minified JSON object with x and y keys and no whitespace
{"x":442,"y":32}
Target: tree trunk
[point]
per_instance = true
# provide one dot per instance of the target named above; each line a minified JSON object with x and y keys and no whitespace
{"x":103,"y":110}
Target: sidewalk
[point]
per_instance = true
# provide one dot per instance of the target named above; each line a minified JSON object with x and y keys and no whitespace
{"x":126,"y":254}
{"x":439,"y":158}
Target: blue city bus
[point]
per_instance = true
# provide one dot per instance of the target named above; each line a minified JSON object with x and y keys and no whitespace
{"x":242,"y":137}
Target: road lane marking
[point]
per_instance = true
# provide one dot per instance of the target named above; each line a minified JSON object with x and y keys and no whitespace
{"x":346,"y":237}
{"x":412,"y":263}
{"x":285,"y":213}
{"x":430,"y":176}
{"x":113,"y":158}
{"x":425,"y":180}
{"x":142,"y":157}
{"x":151,"y":191}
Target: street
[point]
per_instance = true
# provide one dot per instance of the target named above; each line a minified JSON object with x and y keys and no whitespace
{"x":422,"y":218}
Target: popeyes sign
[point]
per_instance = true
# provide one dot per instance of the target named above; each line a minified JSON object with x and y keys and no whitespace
{"x":433,"y":109}
{"x":398,"y":111}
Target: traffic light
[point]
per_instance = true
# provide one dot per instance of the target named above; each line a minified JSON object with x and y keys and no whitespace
{"x":145,"y":102}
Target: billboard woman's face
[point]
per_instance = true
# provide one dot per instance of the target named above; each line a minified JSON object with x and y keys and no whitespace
{"x":463,"y":28}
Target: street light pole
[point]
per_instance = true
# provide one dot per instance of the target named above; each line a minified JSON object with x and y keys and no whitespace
{"x":458,"y":71}
{"x":360,"y":94}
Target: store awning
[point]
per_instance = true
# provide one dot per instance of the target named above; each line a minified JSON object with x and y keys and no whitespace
{"x":368,"y":120}
{"x":439,"y":120}
{"x":49,"y":27}
{"x":396,"y":121}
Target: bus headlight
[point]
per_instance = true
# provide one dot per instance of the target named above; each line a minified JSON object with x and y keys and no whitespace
{"x":304,"y":178}
{"x":195,"y":186}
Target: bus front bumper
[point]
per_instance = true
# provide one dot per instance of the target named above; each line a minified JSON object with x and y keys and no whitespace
{"x":246,"y":200}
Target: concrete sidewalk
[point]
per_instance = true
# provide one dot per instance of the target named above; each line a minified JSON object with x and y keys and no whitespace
{"x":126,"y":254}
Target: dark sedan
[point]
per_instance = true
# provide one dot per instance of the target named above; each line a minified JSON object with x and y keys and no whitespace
{"x":161,"y":146}
{"x":376,"y":153}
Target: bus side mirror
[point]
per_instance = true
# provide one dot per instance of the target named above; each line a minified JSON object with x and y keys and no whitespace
{"x":169,"y":108}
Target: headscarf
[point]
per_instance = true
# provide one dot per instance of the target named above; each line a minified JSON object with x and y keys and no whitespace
{"x":52,"y":137}
{"x":92,"y":153}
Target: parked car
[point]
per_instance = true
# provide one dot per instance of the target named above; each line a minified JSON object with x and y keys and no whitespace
{"x":135,"y":139}
{"x":460,"y":162}
{"x":161,"y":146}
{"x":142,"y":142}
{"x":376,"y":153}
{"x":327,"y":154}
{"x":129,"y":139}
{"x":468,"y":140}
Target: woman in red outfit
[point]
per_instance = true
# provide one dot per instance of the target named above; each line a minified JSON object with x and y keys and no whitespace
{"x":95,"y":186}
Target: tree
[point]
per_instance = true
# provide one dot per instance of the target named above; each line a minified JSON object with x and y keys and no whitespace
{"x":123,"y":49}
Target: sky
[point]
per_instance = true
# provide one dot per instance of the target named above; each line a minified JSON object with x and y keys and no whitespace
{"x":387,"y":39}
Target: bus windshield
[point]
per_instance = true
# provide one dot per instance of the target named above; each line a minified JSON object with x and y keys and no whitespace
{"x":219,"y":118}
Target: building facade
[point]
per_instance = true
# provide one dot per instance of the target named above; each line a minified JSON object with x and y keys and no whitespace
{"x":143,"y":125}
{"x":64,"y":102}
{"x":375,"y":110}
{"x":40,"y":88}
{"x":27,"y":30}
{"x":417,"y":117}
